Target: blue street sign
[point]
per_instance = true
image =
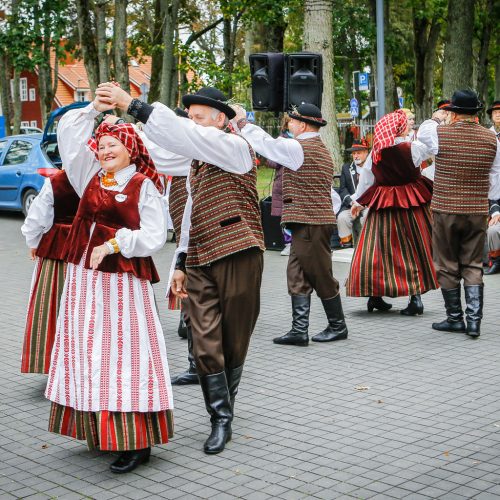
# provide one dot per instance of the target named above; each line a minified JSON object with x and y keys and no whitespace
{"x":401,"y":102}
{"x":2,"y":126}
{"x":364,"y":81}
{"x":250,"y":116}
{"x":354,"y":111}
{"x":354,"y":103}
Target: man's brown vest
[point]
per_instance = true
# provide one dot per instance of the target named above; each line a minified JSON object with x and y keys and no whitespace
{"x":461,"y":182}
{"x":225,"y":216}
{"x":307,"y":196}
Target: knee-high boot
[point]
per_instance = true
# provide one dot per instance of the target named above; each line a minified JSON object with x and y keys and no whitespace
{"x":301,"y":306}
{"x":190,"y":376}
{"x":474,"y":309}
{"x":336,"y":329}
{"x":454,"y":321}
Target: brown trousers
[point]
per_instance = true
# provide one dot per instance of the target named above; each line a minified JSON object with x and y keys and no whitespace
{"x":310,"y":262}
{"x":457,"y":248}
{"x":224,"y":304}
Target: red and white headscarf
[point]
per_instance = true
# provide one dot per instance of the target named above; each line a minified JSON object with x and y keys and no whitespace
{"x":139,"y":155}
{"x":387,"y":129}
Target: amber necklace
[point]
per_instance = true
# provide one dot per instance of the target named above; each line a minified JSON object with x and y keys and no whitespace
{"x":108,"y":179}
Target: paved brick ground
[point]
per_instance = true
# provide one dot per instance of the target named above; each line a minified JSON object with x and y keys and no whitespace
{"x":426,"y":426}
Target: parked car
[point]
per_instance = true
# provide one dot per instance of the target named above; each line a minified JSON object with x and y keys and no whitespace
{"x":26,"y":160}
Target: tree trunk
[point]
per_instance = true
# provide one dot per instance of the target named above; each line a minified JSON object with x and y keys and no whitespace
{"x":482,"y":66}
{"x":426,"y":36}
{"x":16,"y":103}
{"x":275,"y":34}
{"x":497,"y":77}
{"x":457,"y":60}
{"x":318,"y":37}
{"x":120,"y":44}
{"x":87,"y":43}
{"x":391,"y":93}
{"x":157,"y":52}
{"x":5,"y":72}
{"x":169,"y":66}
{"x":102,"y":40}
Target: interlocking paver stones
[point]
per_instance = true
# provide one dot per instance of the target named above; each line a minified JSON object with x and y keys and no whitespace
{"x":427,"y":426}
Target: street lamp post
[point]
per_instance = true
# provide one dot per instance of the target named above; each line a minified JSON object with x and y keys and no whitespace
{"x":380,"y":60}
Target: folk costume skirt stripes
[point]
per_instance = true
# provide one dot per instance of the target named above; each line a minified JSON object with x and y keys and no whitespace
{"x":393,"y":256}
{"x":113,"y":431}
{"x":46,"y":288}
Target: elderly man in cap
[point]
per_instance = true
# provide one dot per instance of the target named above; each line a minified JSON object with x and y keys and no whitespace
{"x":221,"y":246}
{"x":308,"y":213}
{"x":349,"y":179}
{"x":467,"y":175}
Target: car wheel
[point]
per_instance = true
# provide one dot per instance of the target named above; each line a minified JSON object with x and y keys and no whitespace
{"x":28,"y":198}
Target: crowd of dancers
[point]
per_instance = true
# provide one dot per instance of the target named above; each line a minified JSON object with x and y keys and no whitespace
{"x":92,"y":323}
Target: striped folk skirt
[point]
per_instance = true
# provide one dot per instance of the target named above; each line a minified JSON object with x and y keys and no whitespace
{"x":46,"y":288}
{"x":113,"y":431}
{"x":393,"y":256}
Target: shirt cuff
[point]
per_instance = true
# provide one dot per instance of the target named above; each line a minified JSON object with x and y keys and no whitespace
{"x":90,"y":110}
{"x":110,"y":247}
{"x":140,"y":110}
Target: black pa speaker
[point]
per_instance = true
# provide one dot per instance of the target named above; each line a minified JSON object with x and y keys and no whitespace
{"x":303,"y":79}
{"x":273,"y":235}
{"x":267,"y":72}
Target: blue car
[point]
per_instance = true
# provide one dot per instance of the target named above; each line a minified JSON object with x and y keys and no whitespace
{"x":25,"y":162}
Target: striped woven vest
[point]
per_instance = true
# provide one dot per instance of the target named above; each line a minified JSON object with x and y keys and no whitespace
{"x":461,"y":183}
{"x":307,"y":195}
{"x":225,"y":216}
{"x":177,"y":199}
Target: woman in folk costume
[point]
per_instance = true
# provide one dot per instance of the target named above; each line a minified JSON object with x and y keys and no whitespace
{"x":393,"y":256}
{"x":46,"y":229}
{"x":108,"y":380}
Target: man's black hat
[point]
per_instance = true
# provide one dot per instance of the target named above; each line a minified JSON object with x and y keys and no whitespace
{"x":359,"y":145}
{"x":495,"y":105}
{"x":308,"y":113}
{"x":442,"y":103}
{"x":181,"y":112}
{"x":210,"y":96}
{"x":464,"y":102}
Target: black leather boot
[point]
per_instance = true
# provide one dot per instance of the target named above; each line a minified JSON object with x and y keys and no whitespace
{"x":455,"y":315}
{"x":336,"y":329}
{"x":218,"y":404}
{"x":301,"y":306}
{"x":190,"y":376}
{"x":414,"y":307}
{"x":494,"y":266}
{"x":474,"y":309}
{"x":182,"y":329}
{"x":377,"y":303}
{"x":233,"y":376}
{"x":130,"y":460}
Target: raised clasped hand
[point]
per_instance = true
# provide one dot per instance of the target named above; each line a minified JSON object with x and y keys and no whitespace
{"x":110,"y":93}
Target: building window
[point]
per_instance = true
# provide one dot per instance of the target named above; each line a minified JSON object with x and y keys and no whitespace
{"x":23,"y":88}
{"x":25,"y":124}
{"x":34,"y":123}
{"x":32,"y":95}
{"x":80,"y":95}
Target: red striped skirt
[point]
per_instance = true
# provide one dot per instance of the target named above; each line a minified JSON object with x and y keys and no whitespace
{"x":111,"y":430}
{"x":46,"y":289}
{"x":393,"y":257}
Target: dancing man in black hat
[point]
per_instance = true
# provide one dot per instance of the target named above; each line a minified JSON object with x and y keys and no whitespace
{"x":308,"y":213}
{"x":467,"y":174}
{"x":221,"y":245}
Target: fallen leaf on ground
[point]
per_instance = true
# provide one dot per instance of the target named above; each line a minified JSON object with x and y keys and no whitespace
{"x":362,"y":387}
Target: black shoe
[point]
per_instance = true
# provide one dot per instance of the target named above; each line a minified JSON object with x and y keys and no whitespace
{"x":336,"y":329}
{"x":455,"y":316}
{"x":301,"y":306}
{"x":130,"y":460}
{"x":377,"y":303}
{"x":474,"y":309}
{"x":218,"y":404}
{"x":182,"y":329}
{"x":190,"y":376}
{"x":494,"y":267}
{"x":233,"y":376}
{"x":414,"y":307}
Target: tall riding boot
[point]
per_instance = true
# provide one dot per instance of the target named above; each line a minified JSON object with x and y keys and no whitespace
{"x":182,"y":329}
{"x":336,"y":329}
{"x":474,"y":309}
{"x":190,"y":376}
{"x":218,"y":404}
{"x":378,"y":303}
{"x":455,"y":315}
{"x":301,"y":306}
{"x":415,"y":306}
{"x":233,"y":381}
